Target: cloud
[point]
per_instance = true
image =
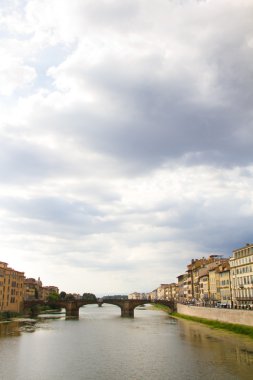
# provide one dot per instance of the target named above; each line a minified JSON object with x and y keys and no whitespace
{"x":125,"y":137}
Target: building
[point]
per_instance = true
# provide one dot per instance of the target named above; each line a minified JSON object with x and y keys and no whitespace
{"x":162,"y":291}
{"x":182,"y":280}
{"x":33,"y":289}
{"x":134,"y":296}
{"x":204,"y":294}
{"x":11,"y":289}
{"x":214,"y":286}
{"x":225,"y":286}
{"x":47,"y":290}
{"x":241,"y":274}
{"x":171,"y":292}
{"x":152,"y":296}
{"x":137,"y":296}
{"x":194,"y":271}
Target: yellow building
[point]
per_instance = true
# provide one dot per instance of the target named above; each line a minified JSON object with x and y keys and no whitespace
{"x":214,"y":286}
{"x":11,"y":288}
{"x":225,"y":287}
{"x":194,"y":271}
{"x":182,"y":288}
{"x":241,"y":274}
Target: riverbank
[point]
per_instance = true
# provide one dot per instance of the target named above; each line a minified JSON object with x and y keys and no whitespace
{"x":7,"y":316}
{"x":232,"y":327}
{"x":231,"y":316}
{"x":156,"y":306}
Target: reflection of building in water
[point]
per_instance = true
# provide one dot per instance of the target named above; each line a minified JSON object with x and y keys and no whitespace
{"x":244,"y":355}
{"x":241,"y":264}
{"x":11,"y":288}
{"x":234,"y":351}
{"x":9,"y":329}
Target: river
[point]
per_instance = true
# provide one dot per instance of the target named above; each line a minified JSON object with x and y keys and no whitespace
{"x":103,"y":346}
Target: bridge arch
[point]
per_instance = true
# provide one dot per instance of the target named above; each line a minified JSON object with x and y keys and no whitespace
{"x":72,"y":306}
{"x":128,"y":306}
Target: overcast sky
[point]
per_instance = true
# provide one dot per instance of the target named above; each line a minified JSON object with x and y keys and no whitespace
{"x":126,"y":131}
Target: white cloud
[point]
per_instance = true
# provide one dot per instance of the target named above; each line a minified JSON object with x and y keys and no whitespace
{"x":14,"y":74}
{"x":125,"y":138}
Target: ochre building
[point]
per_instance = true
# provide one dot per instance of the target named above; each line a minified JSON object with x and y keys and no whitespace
{"x":11,"y":288}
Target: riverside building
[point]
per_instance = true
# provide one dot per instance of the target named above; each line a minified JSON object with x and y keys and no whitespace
{"x":11,"y":288}
{"x":182,"y":288}
{"x":241,"y":274}
{"x":195,"y":270}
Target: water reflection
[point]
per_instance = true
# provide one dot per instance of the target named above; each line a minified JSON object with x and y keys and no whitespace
{"x":231,"y":350}
{"x":9,"y":329}
{"x":103,"y":346}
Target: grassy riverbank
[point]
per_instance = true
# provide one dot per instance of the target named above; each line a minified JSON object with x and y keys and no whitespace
{"x":155,"y":306}
{"x":235,"y":328}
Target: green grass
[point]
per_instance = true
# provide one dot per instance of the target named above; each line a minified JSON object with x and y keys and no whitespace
{"x":233,"y":327}
{"x":165,"y":308}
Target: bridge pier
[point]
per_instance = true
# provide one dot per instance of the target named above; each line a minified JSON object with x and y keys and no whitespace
{"x":72,"y":310}
{"x":127,"y":311}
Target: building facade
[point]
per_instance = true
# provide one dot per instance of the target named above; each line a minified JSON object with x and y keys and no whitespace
{"x":11,"y":289}
{"x":225,"y":287}
{"x":182,"y":283}
{"x":241,"y":274}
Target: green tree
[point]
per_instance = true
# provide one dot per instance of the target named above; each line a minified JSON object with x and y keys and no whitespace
{"x":69,"y":297}
{"x":62,"y":295}
{"x":89,"y":296}
{"x":53,"y":297}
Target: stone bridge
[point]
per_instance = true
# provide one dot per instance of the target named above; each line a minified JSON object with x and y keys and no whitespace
{"x":127,"y":306}
{"x":72,"y":306}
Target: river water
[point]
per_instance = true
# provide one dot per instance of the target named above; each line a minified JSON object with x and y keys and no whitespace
{"x":102,"y":345}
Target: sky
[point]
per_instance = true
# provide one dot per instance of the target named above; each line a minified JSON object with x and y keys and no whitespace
{"x":126,"y":133}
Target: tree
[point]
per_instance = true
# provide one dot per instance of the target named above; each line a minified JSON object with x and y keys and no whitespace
{"x":89,"y":297}
{"x":53,"y":297}
{"x":62,"y":295}
{"x":69,"y":297}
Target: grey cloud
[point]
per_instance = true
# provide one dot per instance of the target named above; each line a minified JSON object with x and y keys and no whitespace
{"x":21,"y":160}
{"x":216,"y":226}
{"x":52,"y":209}
{"x":112,"y":15}
{"x":152,"y":106}
{"x":57,"y":216}
{"x":169,"y":94}
{"x":156,"y":120}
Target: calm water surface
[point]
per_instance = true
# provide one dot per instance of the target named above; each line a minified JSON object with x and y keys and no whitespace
{"x":102,"y":345}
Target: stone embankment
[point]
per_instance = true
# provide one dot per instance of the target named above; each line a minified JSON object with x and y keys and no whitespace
{"x":242,"y":317}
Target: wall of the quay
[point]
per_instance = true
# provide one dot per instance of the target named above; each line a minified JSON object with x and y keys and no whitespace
{"x":243,"y":317}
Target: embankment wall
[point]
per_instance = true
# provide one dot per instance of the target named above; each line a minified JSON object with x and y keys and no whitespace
{"x":243,"y":317}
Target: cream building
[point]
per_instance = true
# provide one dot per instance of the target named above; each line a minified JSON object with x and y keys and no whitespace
{"x":241,"y":274}
{"x":162,"y":291}
{"x":204,"y":294}
{"x":171,"y":292}
{"x":225,"y":287}
{"x":182,"y":283}
{"x":137,"y":296}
